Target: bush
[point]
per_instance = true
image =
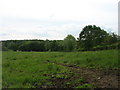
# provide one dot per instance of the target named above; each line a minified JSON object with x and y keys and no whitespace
{"x":4,"y":48}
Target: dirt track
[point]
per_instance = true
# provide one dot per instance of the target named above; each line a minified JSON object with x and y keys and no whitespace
{"x":100,"y":78}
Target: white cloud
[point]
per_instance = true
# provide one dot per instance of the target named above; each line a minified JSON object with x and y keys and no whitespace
{"x":54,"y":19}
{"x":40,"y":32}
{"x":60,"y":9}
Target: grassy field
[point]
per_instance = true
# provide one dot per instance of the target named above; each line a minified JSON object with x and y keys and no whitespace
{"x":52,"y":69}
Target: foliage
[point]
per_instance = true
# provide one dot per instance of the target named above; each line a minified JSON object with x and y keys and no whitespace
{"x":69,"y":43}
{"x":91,"y":36}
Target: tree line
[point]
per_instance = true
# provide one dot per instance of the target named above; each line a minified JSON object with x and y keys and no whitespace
{"x":91,"y":37}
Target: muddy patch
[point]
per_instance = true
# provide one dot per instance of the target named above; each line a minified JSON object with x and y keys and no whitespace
{"x":104,"y":78}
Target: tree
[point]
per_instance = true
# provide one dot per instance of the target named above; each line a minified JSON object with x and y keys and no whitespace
{"x":113,"y":38}
{"x":91,"y":36}
{"x":25,"y":46}
{"x":13,"y":46}
{"x":32,"y":46}
{"x":47,"y":45}
{"x":60,"y":45}
{"x":69,"y":43}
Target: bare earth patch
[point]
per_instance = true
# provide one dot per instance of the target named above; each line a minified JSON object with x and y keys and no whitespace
{"x":100,"y":78}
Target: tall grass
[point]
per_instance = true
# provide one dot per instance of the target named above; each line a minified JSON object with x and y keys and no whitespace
{"x":28,"y":69}
{"x":33,"y":69}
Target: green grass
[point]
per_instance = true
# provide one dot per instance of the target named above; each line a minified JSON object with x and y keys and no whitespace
{"x":27,"y":70}
{"x":92,"y":59}
{"x":33,"y":69}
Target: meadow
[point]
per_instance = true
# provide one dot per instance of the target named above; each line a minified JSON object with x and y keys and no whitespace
{"x":57,"y":69}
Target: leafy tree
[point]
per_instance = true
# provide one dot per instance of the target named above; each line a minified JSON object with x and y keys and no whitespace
{"x":4,"y":48}
{"x":13,"y":46}
{"x":47,"y":45}
{"x":32,"y":46}
{"x":60,"y":45}
{"x":25,"y":46}
{"x":54,"y":45}
{"x":113,"y":38}
{"x":69,"y":43}
{"x":91,"y":36}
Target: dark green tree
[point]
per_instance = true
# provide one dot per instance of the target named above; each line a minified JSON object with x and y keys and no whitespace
{"x":113,"y":38}
{"x":54,"y":45}
{"x":69,"y":43}
{"x":32,"y":46}
{"x":47,"y":45}
{"x":13,"y":46}
{"x":91,"y":36}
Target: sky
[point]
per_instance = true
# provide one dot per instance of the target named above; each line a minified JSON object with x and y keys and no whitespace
{"x":55,"y":19}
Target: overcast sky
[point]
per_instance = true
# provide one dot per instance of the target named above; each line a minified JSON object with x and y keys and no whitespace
{"x":55,"y":19}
